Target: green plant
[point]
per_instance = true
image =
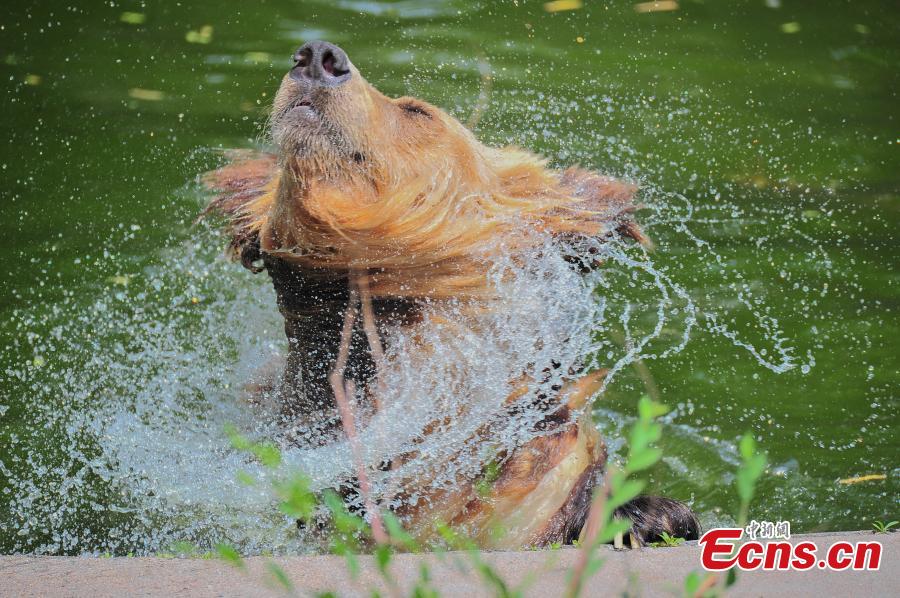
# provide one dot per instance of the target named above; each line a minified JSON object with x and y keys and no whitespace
{"x":228,"y":554}
{"x":753,"y":464}
{"x":489,"y":576}
{"x":667,"y":541}
{"x":619,"y":487}
{"x":881,"y":527}
{"x":351,"y":534}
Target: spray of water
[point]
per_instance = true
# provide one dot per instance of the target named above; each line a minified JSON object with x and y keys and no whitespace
{"x":129,"y":392}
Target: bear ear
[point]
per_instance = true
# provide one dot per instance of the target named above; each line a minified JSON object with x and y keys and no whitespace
{"x":601,"y":205}
{"x":244,"y":176}
{"x":243,"y":193}
{"x":602,"y":193}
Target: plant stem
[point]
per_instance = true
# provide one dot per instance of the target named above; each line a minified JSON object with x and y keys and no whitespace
{"x":593,"y":527}
{"x":342,"y":390}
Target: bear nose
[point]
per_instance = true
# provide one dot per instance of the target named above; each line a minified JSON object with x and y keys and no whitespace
{"x":321,"y":63}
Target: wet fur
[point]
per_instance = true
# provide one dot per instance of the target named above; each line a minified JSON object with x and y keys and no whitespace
{"x":399,"y":192}
{"x":651,"y":516}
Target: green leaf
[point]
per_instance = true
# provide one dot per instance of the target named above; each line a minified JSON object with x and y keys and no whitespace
{"x":395,"y":530}
{"x":490,"y":575}
{"x":668,"y":541}
{"x":238,"y":441}
{"x":383,"y":558}
{"x":228,"y":554}
{"x":627,"y":491}
{"x":751,"y":469}
{"x":297,"y":499}
{"x":280,"y":577}
{"x":344,"y":521}
{"x":593,"y":565}
{"x":649,"y":409}
{"x":611,"y":529}
{"x":691,"y":583}
{"x":643,"y":460}
{"x":730,"y":578}
{"x":448,"y":534}
{"x":424,"y":573}
{"x":882,"y":528}
{"x":341,"y":548}
{"x":747,"y":446}
{"x":245,"y":478}
{"x":267,"y":453}
{"x":642,"y":435}
{"x":748,"y":475}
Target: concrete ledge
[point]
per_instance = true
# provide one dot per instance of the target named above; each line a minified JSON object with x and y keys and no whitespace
{"x":650,"y":572}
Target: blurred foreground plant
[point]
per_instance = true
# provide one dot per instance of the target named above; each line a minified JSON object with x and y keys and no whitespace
{"x":753,"y":464}
{"x":350,"y":534}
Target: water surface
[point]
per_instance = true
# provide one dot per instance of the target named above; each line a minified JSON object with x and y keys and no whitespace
{"x":764,"y":135}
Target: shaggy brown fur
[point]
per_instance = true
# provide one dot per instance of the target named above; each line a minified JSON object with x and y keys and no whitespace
{"x":398,"y":198}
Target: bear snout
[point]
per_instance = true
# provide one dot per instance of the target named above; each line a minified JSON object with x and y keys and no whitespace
{"x":320,"y":64}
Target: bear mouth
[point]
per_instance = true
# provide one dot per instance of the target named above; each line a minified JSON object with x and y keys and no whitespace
{"x":303,"y":107}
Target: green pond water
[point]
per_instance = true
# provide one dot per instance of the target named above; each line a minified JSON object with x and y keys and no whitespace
{"x":764,"y":135}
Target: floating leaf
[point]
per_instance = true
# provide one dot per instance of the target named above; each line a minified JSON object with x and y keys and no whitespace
{"x":257,"y":56}
{"x":872,"y":477}
{"x":150,"y":95}
{"x":133,"y":18}
{"x":201,"y":36}
{"x":660,"y":6}
{"x":561,"y":5}
{"x":120,"y":280}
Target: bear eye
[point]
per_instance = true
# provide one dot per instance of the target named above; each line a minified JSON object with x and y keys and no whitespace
{"x":414,"y":109}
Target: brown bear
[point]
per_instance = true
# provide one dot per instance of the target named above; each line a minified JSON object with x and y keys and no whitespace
{"x":381,"y":223}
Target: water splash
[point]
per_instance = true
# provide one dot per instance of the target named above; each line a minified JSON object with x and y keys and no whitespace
{"x":130,"y":385}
